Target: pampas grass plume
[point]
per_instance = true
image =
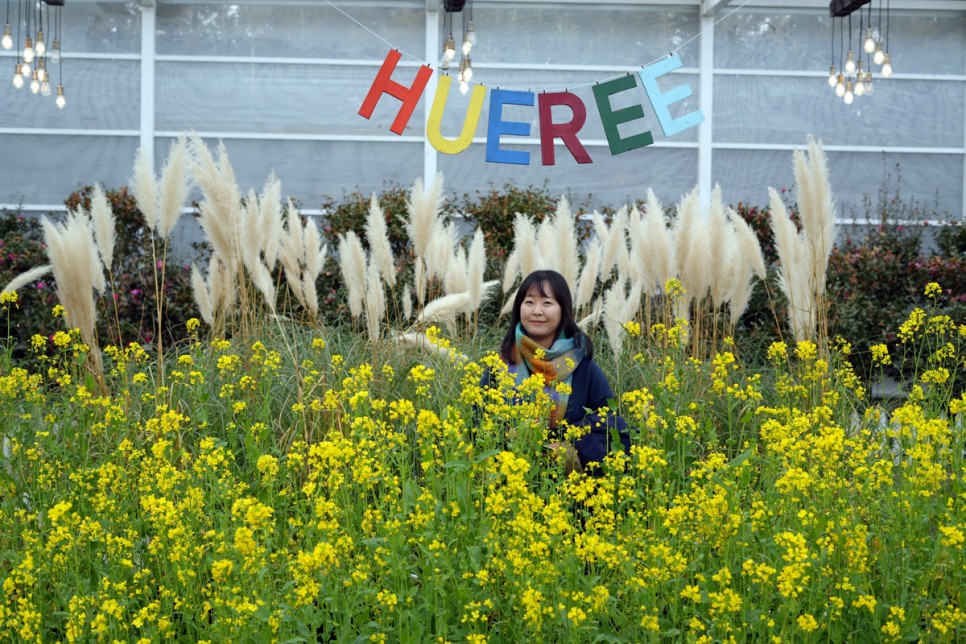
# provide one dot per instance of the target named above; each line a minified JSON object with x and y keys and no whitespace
{"x":202,"y":295}
{"x":525,"y":245}
{"x":352,"y":263}
{"x":588,"y":275}
{"x":105,"y":232}
{"x":475,"y":269}
{"x":375,"y":299}
{"x":565,"y":241}
{"x":379,"y":248}
{"x":446,"y":308}
{"x":145,"y":188}
{"x":77,"y":271}
{"x":27,"y":277}
{"x":424,"y":206}
{"x":174,"y":187}
{"x":407,"y":302}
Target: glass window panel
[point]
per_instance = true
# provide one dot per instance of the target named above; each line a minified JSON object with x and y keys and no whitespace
{"x":100,"y":94}
{"x":457,"y":104}
{"x":290,"y":30}
{"x":802,"y":40}
{"x":99,"y":27}
{"x":582,"y":34}
{"x":933,"y":180}
{"x":275,"y":98}
{"x":310,"y":170}
{"x":610,"y":181}
{"x":781,"y":109}
{"x":37,"y":178}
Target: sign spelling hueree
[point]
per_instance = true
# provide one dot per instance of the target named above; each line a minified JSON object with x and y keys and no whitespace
{"x":549,"y":130}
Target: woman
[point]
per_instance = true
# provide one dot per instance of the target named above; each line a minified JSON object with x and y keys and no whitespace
{"x":543,"y":319}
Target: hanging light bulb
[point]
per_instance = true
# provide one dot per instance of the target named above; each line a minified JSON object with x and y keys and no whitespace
{"x":859,"y":86}
{"x":40,"y":48}
{"x":840,"y":86}
{"x":7,"y":41}
{"x":60,"y":101}
{"x":468,"y":70}
{"x":45,"y":88}
{"x":34,"y":83}
{"x":467,"y":45}
{"x":471,"y":33}
{"x":858,"y":70}
{"x":18,"y":76}
{"x":449,"y":48}
{"x":464,"y":87}
{"x":28,"y":50}
{"x":868,"y":83}
{"x":54,"y":52}
{"x":886,"y":66}
{"x":849,"y":94}
{"x":849,"y":63}
{"x":25,"y":70}
{"x":869,"y":44}
{"x":879,"y":55}
{"x":832,"y":76}
{"x":42,"y":70}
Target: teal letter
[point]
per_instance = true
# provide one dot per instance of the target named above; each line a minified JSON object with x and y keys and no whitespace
{"x":660,"y":101}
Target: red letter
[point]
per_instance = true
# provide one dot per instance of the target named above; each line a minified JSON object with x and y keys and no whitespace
{"x":566,"y":131}
{"x":384,"y":85}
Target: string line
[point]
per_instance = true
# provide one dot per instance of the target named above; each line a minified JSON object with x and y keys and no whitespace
{"x":569,"y":87}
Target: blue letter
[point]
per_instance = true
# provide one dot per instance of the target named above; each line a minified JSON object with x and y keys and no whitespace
{"x":498,"y":126}
{"x":660,"y":101}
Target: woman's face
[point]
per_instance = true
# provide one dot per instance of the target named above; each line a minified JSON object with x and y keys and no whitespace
{"x":540,"y":316}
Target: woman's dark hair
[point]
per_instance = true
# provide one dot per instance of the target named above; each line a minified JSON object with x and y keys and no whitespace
{"x":560,"y":291}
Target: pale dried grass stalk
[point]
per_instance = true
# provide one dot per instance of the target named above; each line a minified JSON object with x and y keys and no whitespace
{"x":105,"y":232}
{"x":748,"y":263}
{"x":424,"y":206}
{"x":407,"y":302}
{"x":722,"y":250}
{"x":444,"y":309}
{"x":270,"y":216}
{"x":475,"y":269}
{"x":511,"y":270}
{"x":794,"y":270}
{"x":145,"y":188}
{"x":422,"y":341}
{"x":27,"y":277}
{"x":588,"y":275}
{"x":380,"y":250}
{"x":353,"y":265}
{"x":77,"y":271}
{"x":529,"y":256}
{"x":693,"y":238}
{"x":565,"y":241}
{"x":614,"y":305}
{"x":614,"y":244}
{"x":440,"y":252}
{"x":660,"y":242}
{"x":175,"y":184}
{"x":375,"y":302}
{"x":454,"y":281}
{"x":202,"y":296}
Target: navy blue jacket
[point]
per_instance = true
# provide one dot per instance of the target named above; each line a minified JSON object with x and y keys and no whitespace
{"x":590,"y":390}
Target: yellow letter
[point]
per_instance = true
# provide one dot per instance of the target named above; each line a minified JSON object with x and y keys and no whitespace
{"x":436,"y":139}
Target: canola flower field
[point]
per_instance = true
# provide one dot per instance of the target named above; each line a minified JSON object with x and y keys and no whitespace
{"x":304,"y":485}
